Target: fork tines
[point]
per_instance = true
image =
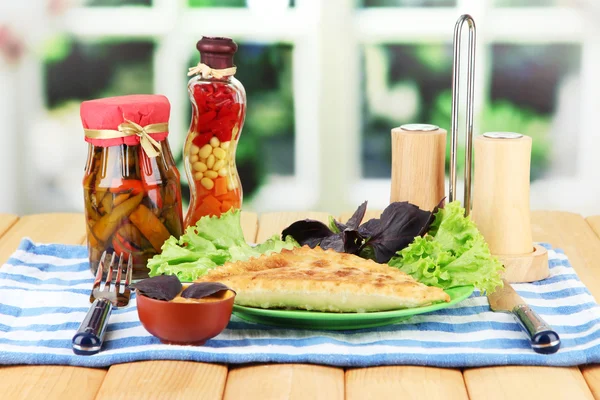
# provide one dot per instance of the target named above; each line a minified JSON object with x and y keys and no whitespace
{"x":122,"y":298}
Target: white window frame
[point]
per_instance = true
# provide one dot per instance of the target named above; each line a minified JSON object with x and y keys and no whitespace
{"x":326,"y":36}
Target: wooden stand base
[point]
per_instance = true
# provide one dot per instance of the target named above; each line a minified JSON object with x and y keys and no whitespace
{"x":526,"y":267}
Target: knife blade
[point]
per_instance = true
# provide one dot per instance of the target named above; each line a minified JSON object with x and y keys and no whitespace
{"x":543,"y":338}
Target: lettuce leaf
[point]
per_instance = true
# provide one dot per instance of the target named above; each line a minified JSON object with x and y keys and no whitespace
{"x":212,"y":242}
{"x":224,"y":231}
{"x":275,"y":245}
{"x":452,"y":230}
{"x":186,"y":272}
{"x":454,"y":253}
{"x":270,"y":246}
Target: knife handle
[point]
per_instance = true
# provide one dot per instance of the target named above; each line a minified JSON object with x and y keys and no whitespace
{"x":544,"y":339}
{"x":90,"y":335}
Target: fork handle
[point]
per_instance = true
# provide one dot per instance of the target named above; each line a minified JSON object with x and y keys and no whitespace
{"x":90,"y":335}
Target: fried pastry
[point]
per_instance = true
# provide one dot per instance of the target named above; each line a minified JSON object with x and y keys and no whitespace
{"x":322,"y":280}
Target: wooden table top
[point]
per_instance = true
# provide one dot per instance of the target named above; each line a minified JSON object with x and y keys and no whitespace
{"x":578,"y":237}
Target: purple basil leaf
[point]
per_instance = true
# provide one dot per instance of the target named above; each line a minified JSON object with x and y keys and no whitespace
{"x":399,"y":224}
{"x":344,"y":242}
{"x":441,"y":204}
{"x":385,"y":247}
{"x":352,"y":241}
{"x":203,"y":289}
{"x":307,"y":232}
{"x":357,"y":217}
{"x":333,"y":242}
{"x":347,"y":241}
{"x":378,"y":238}
{"x":367,"y":253}
{"x":161,"y":287}
{"x":370,"y":228}
{"x":341,"y":227}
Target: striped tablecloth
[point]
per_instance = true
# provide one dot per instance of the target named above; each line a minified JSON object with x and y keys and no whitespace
{"x":44,"y":292}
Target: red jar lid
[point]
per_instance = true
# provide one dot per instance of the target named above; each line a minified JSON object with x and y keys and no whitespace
{"x":111,"y":112}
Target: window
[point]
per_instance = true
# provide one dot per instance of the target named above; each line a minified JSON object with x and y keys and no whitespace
{"x":403,"y":83}
{"x":326,"y":83}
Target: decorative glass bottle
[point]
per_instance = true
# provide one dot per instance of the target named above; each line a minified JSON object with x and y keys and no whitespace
{"x":218,"y":111}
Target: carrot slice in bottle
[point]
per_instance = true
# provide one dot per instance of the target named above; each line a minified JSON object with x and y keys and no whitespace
{"x":220,"y":186}
{"x":205,"y":209}
{"x":211,"y":202}
{"x":227,"y":205}
{"x":232,"y":195}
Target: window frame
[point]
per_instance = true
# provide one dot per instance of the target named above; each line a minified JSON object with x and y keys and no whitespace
{"x":326,"y":36}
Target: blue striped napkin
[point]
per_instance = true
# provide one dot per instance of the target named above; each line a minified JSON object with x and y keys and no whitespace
{"x":44,"y":293}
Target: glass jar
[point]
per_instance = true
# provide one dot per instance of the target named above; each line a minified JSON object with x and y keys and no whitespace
{"x":132,"y":194}
{"x":218,"y":111}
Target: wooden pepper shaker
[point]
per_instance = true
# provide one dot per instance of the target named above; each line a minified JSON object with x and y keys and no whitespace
{"x":418,"y":159}
{"x":501,"y":204}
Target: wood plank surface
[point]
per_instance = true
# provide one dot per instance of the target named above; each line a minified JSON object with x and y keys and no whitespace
{"x":405,"y":382}
{"x":273,"y":223}
{"x":171,"y":379}
{"x":574,"y":235}
{"x":571,"y":233}
{"x":594,"y":223}
{"x":285,"y":382}
{"x":47,"y":382}
{"x":6,"y":221}
{"x":524,"y":382}
{"x":46,"y":228}
{"x":175,"y":379}
{"x":591,"y":373}
{"x":402,"y":381}
{"x":249,"y":226}
{"x":164,"y":380}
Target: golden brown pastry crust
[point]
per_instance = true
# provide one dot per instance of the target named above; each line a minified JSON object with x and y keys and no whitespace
{"x":323,"y":280}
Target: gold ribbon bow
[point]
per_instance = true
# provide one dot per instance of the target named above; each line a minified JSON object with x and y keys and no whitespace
{"x":207,"y":72}
{"x":129,"y":128}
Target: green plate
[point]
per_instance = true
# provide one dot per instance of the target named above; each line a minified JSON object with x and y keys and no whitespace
{"x":342,"y":321}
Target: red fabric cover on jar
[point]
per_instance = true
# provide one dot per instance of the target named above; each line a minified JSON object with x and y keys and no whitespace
{"x":110,"y":112}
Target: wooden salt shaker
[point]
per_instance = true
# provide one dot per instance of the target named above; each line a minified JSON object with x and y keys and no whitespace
{"x":501,"y":204}
{"x":418,"y":158}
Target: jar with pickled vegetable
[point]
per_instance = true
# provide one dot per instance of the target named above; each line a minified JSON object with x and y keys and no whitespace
{"x":218,"y":111}
{"x":131,"y":186}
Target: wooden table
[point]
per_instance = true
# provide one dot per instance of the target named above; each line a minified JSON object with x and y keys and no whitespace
{"x":579,"y":238}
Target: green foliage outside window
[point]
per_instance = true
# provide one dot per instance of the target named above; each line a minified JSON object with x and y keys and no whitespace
{"x":500,"y":115}
{"x":524,"y":85}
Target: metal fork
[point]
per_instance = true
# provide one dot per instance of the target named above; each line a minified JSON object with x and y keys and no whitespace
{"x":90,"y":335}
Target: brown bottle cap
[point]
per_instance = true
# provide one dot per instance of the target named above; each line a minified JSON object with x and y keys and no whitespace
{"x":217,"y":52}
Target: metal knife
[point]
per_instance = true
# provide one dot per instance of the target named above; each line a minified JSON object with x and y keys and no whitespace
{"x":543,"y":338}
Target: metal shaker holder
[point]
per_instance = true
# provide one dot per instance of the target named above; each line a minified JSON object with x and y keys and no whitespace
{"x":458,"y":28}
{"x":523,"y":261}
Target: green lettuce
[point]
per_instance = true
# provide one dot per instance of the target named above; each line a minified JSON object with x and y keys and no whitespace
{"x":270,"y":246}
{"x":212,"y":242}
{"x":453,"y":253}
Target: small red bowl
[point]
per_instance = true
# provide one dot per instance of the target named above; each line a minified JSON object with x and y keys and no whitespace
{"x":184,"y":323}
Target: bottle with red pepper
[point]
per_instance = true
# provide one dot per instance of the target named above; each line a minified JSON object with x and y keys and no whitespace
{"x":131,"y":186}
{"x":218,"y":110}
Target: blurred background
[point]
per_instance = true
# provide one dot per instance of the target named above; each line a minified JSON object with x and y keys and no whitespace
{"x":326,"y":82}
